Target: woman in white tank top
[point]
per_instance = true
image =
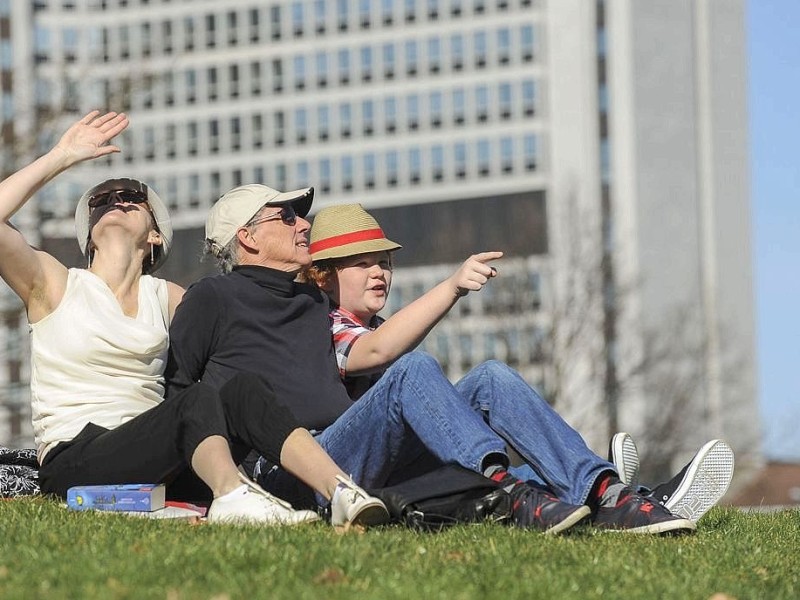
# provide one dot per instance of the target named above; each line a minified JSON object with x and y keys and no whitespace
{"x":99,"y":347}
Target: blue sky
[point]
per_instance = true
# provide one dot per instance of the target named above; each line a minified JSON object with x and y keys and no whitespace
{"x":774,"y":96}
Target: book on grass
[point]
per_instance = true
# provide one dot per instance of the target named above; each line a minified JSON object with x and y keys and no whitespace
{"x":139,"y":497}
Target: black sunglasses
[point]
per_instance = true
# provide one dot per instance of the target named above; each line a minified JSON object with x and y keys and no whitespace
{"x":285,"y":214}
{"x":114,"y":196}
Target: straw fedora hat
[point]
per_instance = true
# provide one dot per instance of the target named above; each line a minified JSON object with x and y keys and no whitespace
{"x":346,"y":230}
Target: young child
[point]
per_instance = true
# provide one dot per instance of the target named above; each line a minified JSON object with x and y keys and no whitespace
{"x":353,"y":265}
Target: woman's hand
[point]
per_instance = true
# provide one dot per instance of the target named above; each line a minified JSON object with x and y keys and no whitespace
{"x":474,"y":273}
{"x":89,"y":138}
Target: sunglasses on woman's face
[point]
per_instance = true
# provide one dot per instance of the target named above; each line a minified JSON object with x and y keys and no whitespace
{"x":115,"y":196}
{"x":285,"y":214}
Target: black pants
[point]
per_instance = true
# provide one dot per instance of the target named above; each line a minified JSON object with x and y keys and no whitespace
{"x":157,"y":445}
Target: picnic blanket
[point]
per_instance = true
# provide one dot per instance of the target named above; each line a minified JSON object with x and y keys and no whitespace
{"x":19,"y":472}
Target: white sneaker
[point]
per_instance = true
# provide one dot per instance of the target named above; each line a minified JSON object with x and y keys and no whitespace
{"x":251,"y":504}
{"x":701,"y":484}
{"x":623,"y":453}
{"x":351,"y":504}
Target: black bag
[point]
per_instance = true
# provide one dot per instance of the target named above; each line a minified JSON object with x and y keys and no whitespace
{"x":445,"y":496}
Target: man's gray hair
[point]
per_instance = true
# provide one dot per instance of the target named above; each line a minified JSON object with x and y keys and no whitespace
{"x":226,"y":257}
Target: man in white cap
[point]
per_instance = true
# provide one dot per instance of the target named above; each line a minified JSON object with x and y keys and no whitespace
{"x":257,"y":318}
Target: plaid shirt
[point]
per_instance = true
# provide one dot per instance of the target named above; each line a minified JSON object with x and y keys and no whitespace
{"x":346,"y":328}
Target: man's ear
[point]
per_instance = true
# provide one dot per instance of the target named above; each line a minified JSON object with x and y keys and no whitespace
{"x":246,"y":238}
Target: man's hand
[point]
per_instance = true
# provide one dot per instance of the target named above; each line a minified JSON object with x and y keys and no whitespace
{"x":474,"y":273}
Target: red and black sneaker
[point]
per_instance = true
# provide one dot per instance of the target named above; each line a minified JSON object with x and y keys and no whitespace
{"x":635,"y":513}
{"x":536,"y":508}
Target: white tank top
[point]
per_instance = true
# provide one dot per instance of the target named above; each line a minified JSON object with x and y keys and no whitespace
{"x":91,"y":363}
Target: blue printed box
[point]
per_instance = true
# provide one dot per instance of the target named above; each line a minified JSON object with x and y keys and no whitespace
{"x":141,"y":497}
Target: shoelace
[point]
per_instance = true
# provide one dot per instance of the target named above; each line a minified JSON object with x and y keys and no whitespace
{"x":350,"y":485}
{"x":262,"y":492}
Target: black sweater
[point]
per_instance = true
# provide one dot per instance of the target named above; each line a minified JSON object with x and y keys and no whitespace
{"x":259,"y":320}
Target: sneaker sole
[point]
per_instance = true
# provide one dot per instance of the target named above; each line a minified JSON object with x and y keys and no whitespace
{"x":371,"y":515}
{"x":625,"y":457}
{"x":573,"y":519}
{"x":705,"y":482}
{"x":675,"y":526}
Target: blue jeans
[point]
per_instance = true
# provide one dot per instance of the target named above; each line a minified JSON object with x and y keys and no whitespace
{"x":554,"y":453}
{"x":412,"y":410}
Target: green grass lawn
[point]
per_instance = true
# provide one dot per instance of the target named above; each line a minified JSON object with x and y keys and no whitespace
{"x":49,"y":552}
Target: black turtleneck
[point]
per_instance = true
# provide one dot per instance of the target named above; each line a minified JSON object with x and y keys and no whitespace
{"x":259,"y":320}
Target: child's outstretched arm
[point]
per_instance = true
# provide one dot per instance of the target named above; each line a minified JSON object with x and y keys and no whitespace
{"x":405,"y":329}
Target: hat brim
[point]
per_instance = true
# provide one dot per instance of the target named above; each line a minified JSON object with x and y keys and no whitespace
{"x":365,"y":247}
{"x":300,"y":200}
{"x":157,"y":206}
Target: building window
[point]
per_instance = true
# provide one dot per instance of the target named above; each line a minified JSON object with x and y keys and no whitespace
{"x":436,"y":109}
{"x":433,"y":9}
{"x":279,"y":134}
{"x":459,"y":106}
{"x":529,"y":152}
{"x":211,"y":82}
{"x":233,"y":81}
{"x":457,"y":51}
{"x":503,"y":46}
{"x":254,"y":25}
{"x":233,"y":28}
{"x":411,"y":57}
{"x":344,"y":66}
{"x":528,"y":98}
{"x":412,"y":112}
{"x":414,"y":166}
{"x":299,"y":72}
{"x":255,"y":78}
{"x":391,"y":168}
{"x":347,"y":173}
{"x":527,"y":42}
{"x":388,"y":61}
{"x":297,"y":19}
{"x":236,"y":133}
{"x":368,"y":117}
{"x":325,"y":175}
{"x":300,"y":125}
{"x":505,"y":104}
{"x":364,"y":14}
{"x":277,"y":76}
{"x":484,"y":158}
{"x":369,"y":171}
{"x":323,"y":122}
{"x":387,"y":12}
{"x":211,"y":31}
{"x":460,"y":160}
{"x":390,"y":114}
{"x":321,"y":66}
{"x":482,"y":103}
{"x":410,"y":10}
{"x":434,"y":54}
{"x":190,"y":79}
{"x":257,"y":130}
{"x":275,"y":22}
{"x":188,"y":34}
{"x":191,"y":138}
{"x":479,"y":48}
{"x":213,"y":136}
{"x":366,"y":63}
{"x":319,"y":16}
{"x":166,"y":37}
{"x":437,"y":162}
{"x":506,"y":154}
{"x":345,"y":120}
{"x":301,"y":178}
{"x":343,"y":14}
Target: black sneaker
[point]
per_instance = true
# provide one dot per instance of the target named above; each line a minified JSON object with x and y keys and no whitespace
{"x":700,"y":484}
{"x":635,"y":513}
{"x":536,"y":508}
